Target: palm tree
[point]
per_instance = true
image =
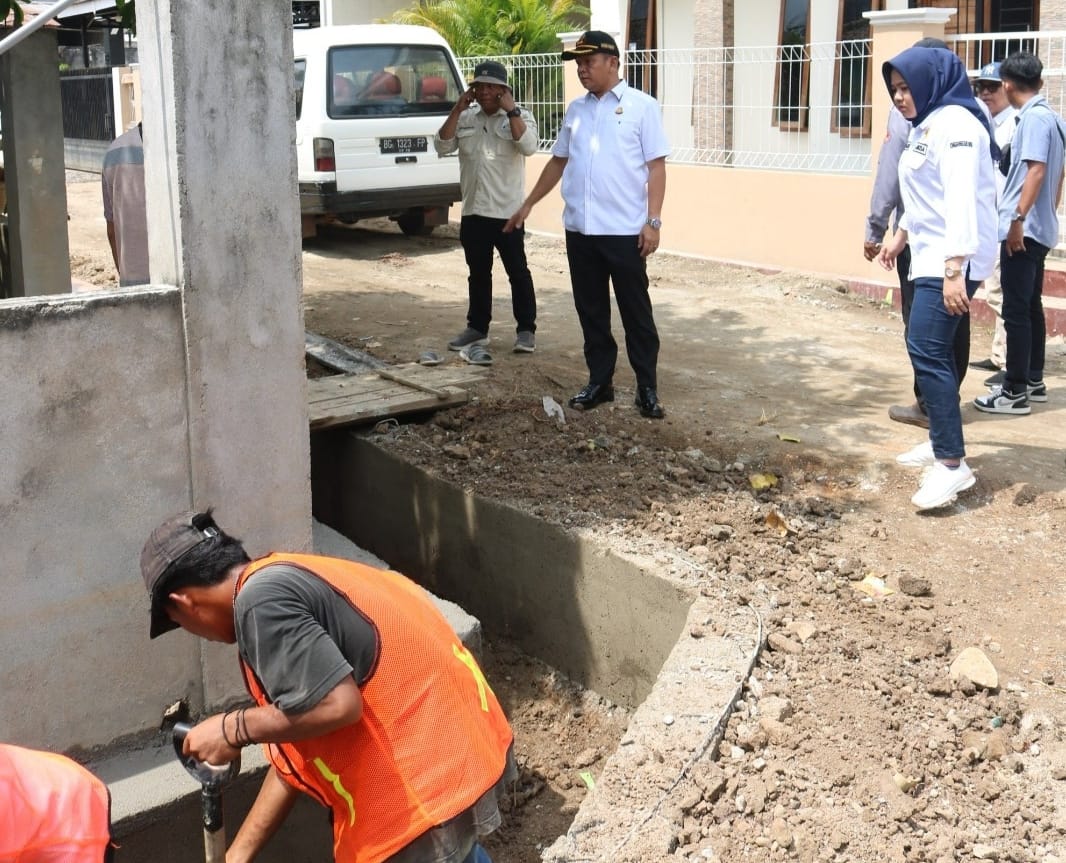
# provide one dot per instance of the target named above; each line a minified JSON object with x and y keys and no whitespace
{"x":492,"y":27}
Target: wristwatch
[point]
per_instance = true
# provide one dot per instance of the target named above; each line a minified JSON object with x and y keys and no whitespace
{"x":1018,"y":216}
{"x":654,"y":222}
{"x":515,"y":112}
{"x":950,"y":273}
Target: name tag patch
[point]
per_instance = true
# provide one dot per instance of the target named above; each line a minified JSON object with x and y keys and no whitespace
{"x":955,"y":144}
{"x":919,"y":147}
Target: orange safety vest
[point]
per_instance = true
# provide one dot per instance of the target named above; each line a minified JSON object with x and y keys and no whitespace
{"x":52,"y":810}
{"x":432,"y":738}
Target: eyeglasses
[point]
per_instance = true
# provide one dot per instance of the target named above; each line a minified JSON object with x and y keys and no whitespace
{"x":987,"y":86}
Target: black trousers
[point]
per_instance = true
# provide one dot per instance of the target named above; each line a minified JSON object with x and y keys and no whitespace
{"x":1022,"y":278}
{"x":961,"y":352}
{"x":481,"y":235}
{"x":596,"y":263}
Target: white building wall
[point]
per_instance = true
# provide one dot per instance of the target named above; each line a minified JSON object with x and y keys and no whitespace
{"x":756,"y":32}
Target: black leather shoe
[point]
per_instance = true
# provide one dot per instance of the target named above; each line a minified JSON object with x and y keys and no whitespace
{"x":984,"y":366}
{"x":592,"y":395}
{"x":997,"y":379}
{"x":648,"y":402}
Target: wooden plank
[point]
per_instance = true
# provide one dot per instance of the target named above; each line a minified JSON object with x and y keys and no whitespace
{"x":354,"y":399}
{"x":339,"y":357}
{"x":408,"y":382}
{"x":358,"y":409}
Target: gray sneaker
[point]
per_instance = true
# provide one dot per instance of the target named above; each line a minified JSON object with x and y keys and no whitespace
{"x":525,"y":343}
{"x":468,"y":337}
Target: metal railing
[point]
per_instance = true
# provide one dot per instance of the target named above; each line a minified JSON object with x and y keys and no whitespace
{"x":88,"y":104}
{"x":537,"y":83}
{"x":781,"y":107}
{"x":1048,"y":45}
{"x":794,"y":108}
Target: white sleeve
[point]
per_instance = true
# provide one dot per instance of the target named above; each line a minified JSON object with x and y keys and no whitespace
{"x":963,"y":150}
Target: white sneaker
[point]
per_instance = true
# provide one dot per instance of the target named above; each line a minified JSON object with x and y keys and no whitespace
{"x":941,"y":484}
{"x":920,"y":456}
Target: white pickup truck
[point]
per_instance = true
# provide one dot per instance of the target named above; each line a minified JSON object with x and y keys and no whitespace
{"x":369,"y":99}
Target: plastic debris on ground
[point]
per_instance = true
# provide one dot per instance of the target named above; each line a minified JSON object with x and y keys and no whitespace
{"x":553,"y":409}
{"x":874,"y":586}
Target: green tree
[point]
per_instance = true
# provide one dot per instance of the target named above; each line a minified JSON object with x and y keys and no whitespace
{"x":7,"y":7}
{"x":490,"y":27}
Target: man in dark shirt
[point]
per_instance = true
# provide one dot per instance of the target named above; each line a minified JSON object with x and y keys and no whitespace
{"x":359,"y":684}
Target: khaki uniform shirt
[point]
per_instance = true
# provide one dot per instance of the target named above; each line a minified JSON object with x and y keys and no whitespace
{"x":492,"y":164}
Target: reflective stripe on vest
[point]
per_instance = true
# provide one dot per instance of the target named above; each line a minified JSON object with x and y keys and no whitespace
{"x":432,"y":738}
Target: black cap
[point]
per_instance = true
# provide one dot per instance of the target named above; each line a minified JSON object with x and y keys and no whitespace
{"x":490,"y":72}
{"x":593,"y":42}
{"x":168,"y":544}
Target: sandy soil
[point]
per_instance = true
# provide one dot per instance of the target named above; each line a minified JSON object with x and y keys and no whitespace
{"x":853,"y":741}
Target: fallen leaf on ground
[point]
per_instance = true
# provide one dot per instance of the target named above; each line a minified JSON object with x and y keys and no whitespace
{"x":762,"y":481}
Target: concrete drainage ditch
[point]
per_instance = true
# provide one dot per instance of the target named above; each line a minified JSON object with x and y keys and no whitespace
{"x":675,"y":654}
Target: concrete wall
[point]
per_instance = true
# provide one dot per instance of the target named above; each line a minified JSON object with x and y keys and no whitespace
{"x":599,"y":618}
{"x":118,"y":409}
{"x":33,"y":160}
{"x":94,"y":432}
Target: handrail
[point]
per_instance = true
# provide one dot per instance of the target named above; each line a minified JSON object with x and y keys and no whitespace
{"x":9,"y":42}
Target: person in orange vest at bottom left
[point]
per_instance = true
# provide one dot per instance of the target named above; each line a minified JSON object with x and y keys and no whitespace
{"x":52,"y":810}
{"x":364,"y":696}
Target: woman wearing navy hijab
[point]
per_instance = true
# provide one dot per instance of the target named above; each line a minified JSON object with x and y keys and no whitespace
{"x":949,"y":201}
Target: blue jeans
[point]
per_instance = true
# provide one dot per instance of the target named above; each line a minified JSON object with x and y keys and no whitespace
{"x":478,"y":855}
{"x":931,"y":345}
{"x":1022,"y":277}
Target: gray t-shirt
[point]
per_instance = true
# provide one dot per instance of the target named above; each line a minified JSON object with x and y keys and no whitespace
{"x":300,"y":638}
{"x":1038,"y":138}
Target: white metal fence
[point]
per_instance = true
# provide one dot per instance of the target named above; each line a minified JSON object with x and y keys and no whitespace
{"x":784,"y":107}
{"x":796,"y":108}
{"x":777,"y":107}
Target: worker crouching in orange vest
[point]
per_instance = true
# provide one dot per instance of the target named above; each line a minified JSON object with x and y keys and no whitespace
{"x":365,"y":698}
{"x":52,"y":810}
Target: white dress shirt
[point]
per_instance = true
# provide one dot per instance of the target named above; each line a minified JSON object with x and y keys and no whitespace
{"x":949,"y":195}
{"x":609,"y":142}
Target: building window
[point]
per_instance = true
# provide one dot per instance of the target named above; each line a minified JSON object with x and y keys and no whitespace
{"x":986,"y":16}
{"x":852,"y":69}
{"x":792,"y":77}
{"x":989,"y":16}
{"x":642,"y":71}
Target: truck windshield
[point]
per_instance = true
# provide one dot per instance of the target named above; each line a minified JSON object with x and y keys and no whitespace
{"x":375,"y":80}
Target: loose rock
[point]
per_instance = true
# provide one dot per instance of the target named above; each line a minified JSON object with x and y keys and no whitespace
{"x":975,"y":666}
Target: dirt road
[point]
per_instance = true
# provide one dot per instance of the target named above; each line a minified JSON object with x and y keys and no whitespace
{"x":882,"y":756}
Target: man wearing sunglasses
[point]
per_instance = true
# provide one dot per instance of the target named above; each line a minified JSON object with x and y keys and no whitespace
{"x":989,"y":89}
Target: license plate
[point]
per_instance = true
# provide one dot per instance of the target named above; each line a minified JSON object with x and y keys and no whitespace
{"x":404,"y":145}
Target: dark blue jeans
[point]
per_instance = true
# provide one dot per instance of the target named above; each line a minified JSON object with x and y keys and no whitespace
{"x":480,"y":237}
{"x":931,"y":345}
{"x":906,"y":299}
{"x":1022,"y":277}
{"x":478,"y":855}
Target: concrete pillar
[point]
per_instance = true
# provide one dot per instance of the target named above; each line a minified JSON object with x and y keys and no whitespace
{"x":892,"y":31}
{"x":224,"y":226}
{"x":32,"y":120}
